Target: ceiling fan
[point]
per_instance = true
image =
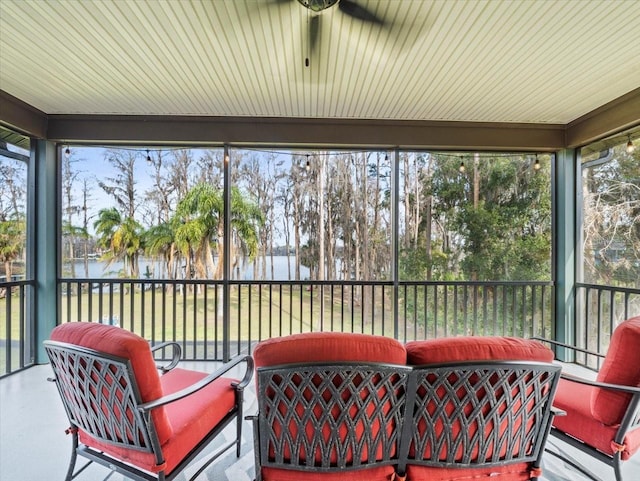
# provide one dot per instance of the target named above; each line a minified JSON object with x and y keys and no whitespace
{"x":347,"y":7}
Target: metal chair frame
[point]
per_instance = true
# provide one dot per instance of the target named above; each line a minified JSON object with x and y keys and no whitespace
{"x":101,"y":397}
{"x":630,"y":421}
{"x":514,"y":395}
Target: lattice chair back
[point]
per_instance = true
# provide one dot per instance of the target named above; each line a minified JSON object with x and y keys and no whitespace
{"x":480,"y":417}
{"x":101,"y":396}
{"x":328,"y":417}
{"x":329,"y":405}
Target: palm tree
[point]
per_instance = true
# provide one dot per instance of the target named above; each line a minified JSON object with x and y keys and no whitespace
{"x":201,"y":224}
{"x":11,"y":244}
{"x":122,"y":238}
{"x":246,"y":219}
{"x":161,"y":240}
{"x":197,"y":216}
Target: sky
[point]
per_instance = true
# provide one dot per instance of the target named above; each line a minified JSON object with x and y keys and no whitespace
{"x":90,"y":163}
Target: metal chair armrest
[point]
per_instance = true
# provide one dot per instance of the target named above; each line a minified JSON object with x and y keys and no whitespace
{"x":148,"y":406}
{"x":175,"y":359}
{"x":557,"y":411}
{"x":568,"y":346}
{"x":248,"y":374}
{"x":603,"y":385}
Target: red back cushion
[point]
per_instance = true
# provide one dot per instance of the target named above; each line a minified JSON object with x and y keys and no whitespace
{"x":329,"y":346}
{"x":621,"y":366}
{"x":476,"y":348}
{"x":119,"y":342}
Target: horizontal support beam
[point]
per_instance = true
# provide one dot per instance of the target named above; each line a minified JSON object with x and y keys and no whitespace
{"x":305,"y":132}
{"x":616,"y":116}
{"x":22,"y":117}
{"x":619,"y":114}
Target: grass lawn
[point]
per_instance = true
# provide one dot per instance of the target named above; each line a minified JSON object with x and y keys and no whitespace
{"x":256,"y":312}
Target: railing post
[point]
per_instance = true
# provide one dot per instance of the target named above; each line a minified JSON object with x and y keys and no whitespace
{"x":565,"y":187}
{"x":226,"y":294}
{"x":395,"y":181}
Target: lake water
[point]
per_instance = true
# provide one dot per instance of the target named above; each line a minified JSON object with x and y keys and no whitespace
{"x":154,"y":270}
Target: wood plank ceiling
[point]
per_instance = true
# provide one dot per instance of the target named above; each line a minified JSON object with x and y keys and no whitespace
{"x":538,"y":61}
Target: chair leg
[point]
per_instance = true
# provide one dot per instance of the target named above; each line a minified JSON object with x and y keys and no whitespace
{"x":239,"y":433}
{"x":239,"y":420}
{"x":74,"y":457}
{"x":72,"y":461}
{"x":256,"y":449}
{"x":617,"y":466}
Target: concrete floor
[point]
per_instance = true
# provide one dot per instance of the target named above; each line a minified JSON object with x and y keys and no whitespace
{"x":34,"y":447}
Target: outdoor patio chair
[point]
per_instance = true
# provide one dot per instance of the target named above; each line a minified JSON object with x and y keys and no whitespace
{"x":347,"y":407}
{"x":482,"y":409}
{"x":126,"y":416}
{"x":603,"y":416}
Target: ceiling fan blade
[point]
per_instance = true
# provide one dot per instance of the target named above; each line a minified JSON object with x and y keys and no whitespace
{"x":314,"y":32}
{"x":354,"y":10}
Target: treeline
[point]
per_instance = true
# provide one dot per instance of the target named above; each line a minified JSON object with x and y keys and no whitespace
{"x":611,"y":217}
{"x":478,"y":217}
{"x":13,"y":190}
{"x":178,"y":218}
{"x":459,"y":216}
{"x":333,"y":211}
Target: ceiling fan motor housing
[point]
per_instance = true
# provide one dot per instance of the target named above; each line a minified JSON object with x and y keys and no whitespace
{"x":318,"y":5}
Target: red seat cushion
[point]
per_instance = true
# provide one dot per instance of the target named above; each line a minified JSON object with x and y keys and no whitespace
{"x":512,"y":472}
{"x":382,"y":473}
{"x":621,"y":366}
{"x":191,"y":418}
{"x":476,"y":348}
{"x":574,"y":398}
{"x":327,"y":347}
{"x":120,"y":342}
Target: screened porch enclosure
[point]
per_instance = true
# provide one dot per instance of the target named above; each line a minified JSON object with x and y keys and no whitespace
{"x":218,"y":173}
{"x":379,"y":151}
{"x":386,"y":269}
